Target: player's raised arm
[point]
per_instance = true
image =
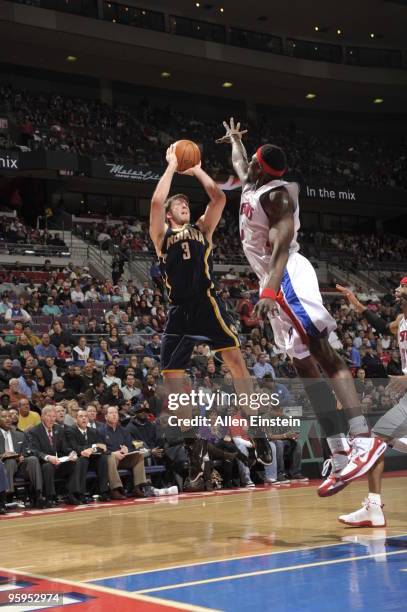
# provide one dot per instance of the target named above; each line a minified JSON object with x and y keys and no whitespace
{"x":380,"y":324}
{"x":160,"y":195}
{"x":217,"y":200}
{"x":279,"y":208}
{"x":239,"y":156}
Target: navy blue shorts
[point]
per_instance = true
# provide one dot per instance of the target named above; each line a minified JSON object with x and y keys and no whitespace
{"x":203,"y":320}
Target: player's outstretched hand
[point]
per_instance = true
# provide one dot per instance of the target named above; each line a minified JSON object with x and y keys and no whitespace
{"x":263,"y":307}
{"x":171,"y":157}
{"x":231,"y":130}
{"x":351,"y":297}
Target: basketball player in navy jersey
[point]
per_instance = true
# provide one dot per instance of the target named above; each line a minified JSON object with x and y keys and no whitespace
{"x":195,"y":313}
{"x":290,"y":298}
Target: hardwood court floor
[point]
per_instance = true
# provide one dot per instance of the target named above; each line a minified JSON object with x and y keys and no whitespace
{"x":92,"y":544}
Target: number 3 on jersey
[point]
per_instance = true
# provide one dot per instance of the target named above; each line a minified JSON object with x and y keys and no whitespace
{"x":185,"y":248}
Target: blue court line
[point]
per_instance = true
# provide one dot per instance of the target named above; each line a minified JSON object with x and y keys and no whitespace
{"x":206,"y":571}
{"x":355,"y":586}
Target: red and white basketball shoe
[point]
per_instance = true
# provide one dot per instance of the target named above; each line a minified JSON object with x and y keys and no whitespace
{"x":370,"y":515}
{"x":333,"y":483}
{"x":364,"y":454}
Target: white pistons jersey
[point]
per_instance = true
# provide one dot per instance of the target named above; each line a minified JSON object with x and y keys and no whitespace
{"x":254,"y":226}
{"x":299,"y":312}
{"x":402,"y":338}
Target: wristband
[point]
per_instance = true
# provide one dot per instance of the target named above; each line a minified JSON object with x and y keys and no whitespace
{"x":268,"y":293}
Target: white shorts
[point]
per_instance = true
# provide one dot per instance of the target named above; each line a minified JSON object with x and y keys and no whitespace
{"x":301,"y":313}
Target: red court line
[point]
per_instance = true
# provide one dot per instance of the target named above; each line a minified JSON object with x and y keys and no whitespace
{"x":101,"y":599}
{"x":172,"y":498}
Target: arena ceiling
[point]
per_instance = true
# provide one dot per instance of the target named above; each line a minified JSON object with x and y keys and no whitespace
{"x":357,"y":19}
{"x":353,"y":90}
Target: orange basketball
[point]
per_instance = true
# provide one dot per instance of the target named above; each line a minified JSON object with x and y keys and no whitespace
{"x":188,"y":154}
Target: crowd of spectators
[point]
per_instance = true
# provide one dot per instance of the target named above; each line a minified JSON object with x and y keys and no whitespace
{"x":13,"y":231}
{"x":140,"y":134}
{"x":365,"y":250}
{"x":350,"y":250}
{"x":89,"y":351}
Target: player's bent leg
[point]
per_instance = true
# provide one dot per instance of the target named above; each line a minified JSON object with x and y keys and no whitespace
{"x":366,"y":450}
{"x":323,"y":402}
{"x":243,"y":383}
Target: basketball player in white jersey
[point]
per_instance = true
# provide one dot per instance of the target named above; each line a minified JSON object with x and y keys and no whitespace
{"x":290,"y":296}
{"x":392,"y":426}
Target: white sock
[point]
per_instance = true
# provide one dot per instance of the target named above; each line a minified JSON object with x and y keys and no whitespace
{"x":358,"y":426}
{"x":338,"y":444}
{"x":375,"y":498}
{"x":400,"y":445}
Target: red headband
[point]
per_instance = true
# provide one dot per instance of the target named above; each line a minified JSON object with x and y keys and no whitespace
{"x":266,"y":167}
{"x":403,"y":281}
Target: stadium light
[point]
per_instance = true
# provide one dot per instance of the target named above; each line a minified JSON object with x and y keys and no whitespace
{"x":71,"y":58}
{"x":378,"y":101}
{"x":165,"y":75}
{"x":227,"y":84}
{"x":339,"y":32}
{"x":316,"y":28}
{"x":310,"y":96}
{"x":372,"y":35}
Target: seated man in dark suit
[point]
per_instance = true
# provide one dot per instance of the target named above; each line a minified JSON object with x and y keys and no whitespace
{"x":120,"y":444}
{"x":89,"y":444}
{"x":47,"y":442}
{"x":92,"y":413}
{"x":25,"y":464}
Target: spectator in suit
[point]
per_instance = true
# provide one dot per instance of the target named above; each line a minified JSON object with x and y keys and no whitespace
{"x":92,"y":412}
{"x":27,"y":418}
{"x":14,"y":418}
{"x":47,"y":442}
{"x":119,"y":443}
{"x":24,"y":465}
{"x":89,"y":445}
{"x":61,"y":414}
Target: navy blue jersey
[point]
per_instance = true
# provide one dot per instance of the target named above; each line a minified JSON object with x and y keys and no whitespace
{"x":186,"y":264}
